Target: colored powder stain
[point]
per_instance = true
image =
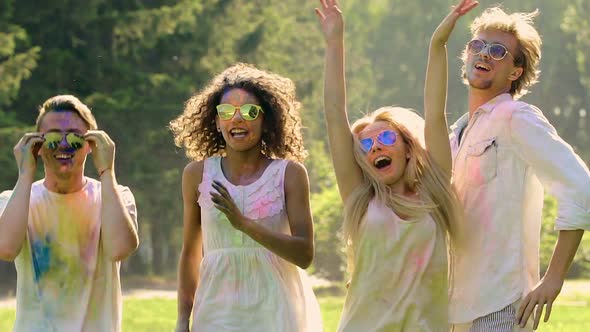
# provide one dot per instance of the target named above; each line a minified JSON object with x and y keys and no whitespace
{"x":259,"y":207}
{"x":41,"y":257}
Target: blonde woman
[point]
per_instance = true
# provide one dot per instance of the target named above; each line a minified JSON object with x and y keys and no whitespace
{"x":393,"y":170}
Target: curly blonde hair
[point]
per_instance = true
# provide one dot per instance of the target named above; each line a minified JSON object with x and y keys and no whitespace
{"x":195,"y":128}
{"x":528,"y":54}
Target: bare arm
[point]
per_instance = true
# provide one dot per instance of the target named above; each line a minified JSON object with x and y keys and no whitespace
{"x":296,"y":248}
{"x":550,"y":285}
{"x":348,"y":173}
{"x":14,"y":218}
{"x":118,"y":227}
{"x":563,"y":254}
{"x":192,"y":253}
{"x":567,"y":178}
{"x":435,"y":89}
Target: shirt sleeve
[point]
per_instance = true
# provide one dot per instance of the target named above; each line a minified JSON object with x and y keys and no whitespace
{"x":129,"y":203}
{"x":4,"y":197}
{"x":561,"y":171}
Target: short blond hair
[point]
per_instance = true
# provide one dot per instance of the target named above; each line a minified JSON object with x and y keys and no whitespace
{"x":528,"y":52}
{"x":67,"y":103}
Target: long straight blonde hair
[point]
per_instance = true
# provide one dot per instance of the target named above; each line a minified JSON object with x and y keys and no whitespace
{"x":422,"y":176}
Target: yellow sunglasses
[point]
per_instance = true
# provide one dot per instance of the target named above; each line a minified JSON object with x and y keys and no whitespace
{"x":53,"y":139}
{"x":249,"y":112}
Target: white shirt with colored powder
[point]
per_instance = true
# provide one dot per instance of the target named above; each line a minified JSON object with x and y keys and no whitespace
{"x":65,"y":282}
{"x":508,"y":154}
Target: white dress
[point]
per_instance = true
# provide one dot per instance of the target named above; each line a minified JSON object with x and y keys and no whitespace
{"x":243,"y":286}
{"x":400,"y":277}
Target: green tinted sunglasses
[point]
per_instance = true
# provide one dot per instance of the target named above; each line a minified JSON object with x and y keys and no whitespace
{"x":249,"y":112}
{"x":54,"y":139}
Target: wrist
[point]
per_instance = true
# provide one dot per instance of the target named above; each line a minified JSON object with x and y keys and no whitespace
{"x":554,"y":276}
{"x":106,"y":171}
{"x":26,"y":177}
{"x":245,"y":225}
{"x":182,"y":323}
{"x":335,"y":41}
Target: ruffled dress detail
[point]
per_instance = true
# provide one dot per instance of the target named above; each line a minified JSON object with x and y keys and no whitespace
{"x":244,"y":286}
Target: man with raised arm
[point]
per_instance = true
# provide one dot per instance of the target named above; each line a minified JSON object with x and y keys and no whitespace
{"x":505,"y":154}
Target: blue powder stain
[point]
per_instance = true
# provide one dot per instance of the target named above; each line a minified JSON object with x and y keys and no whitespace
{"x":41,"y":257}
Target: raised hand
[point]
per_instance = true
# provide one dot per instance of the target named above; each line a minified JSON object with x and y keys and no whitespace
{"x":445,"y":28}
{"x":225,"y":203}
{"x":331,"y":20}
{"x":103,"y":150}
{"x":26,"y":151}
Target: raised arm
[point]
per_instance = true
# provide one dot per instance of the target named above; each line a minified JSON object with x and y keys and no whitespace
{"x":14,"y":218}
{"x":191,"y":253}
{"x":118,"y":221}
{"x":435,"y":89}
{"x":348,"y":173}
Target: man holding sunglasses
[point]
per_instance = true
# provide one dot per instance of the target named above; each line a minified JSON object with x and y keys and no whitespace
{"x":67,"y":233}
{"x":505,"y":153}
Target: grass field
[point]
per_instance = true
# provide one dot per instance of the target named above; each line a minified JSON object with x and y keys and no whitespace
{"x":570,"y":314}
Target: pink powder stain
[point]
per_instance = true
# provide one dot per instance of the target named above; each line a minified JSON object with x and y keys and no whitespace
{"x":420,"y":261}
{"x":259,"y":207}
{"x":226,"y":288}
{"x":89,"y":252}
{"x":477,"y":179}
{"x":420,"y":257}
{"x":475,"y":172}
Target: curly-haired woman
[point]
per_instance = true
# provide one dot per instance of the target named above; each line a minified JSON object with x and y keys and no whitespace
{"x":247,"y":221}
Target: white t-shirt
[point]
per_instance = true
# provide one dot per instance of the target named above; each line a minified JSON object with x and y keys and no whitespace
{"x":65,"y":282}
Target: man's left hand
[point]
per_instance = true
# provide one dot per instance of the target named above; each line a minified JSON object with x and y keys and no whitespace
{"x":544,"y":293}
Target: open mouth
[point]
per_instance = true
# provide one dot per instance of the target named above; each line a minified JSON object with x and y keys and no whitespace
{"x":482,"y":66}
{"x":63,"y":156}
{"x":382,"y":162}
{"x":238,"y":132}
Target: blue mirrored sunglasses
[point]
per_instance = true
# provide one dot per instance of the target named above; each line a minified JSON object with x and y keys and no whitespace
{"x":386,"y":137}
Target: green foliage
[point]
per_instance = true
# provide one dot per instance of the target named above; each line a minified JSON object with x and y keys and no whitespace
{"x":8,"y":139}
{"x":577,"y":23}
{"x":327,"y":211}
{"x":17,"y":60}
{"x":327,"y":214}
{"x":580,"y":266}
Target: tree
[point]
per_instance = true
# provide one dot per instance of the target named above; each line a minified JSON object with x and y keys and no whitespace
{"x":17,"y":60}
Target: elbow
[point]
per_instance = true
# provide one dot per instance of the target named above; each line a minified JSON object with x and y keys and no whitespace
{"x":126,"y":250}
{"x":306,"y":258}
{"x":304,"y":264}
{"x":8,"y":253}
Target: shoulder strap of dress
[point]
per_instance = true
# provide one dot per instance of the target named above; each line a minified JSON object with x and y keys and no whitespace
{"x":211,"y":167}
